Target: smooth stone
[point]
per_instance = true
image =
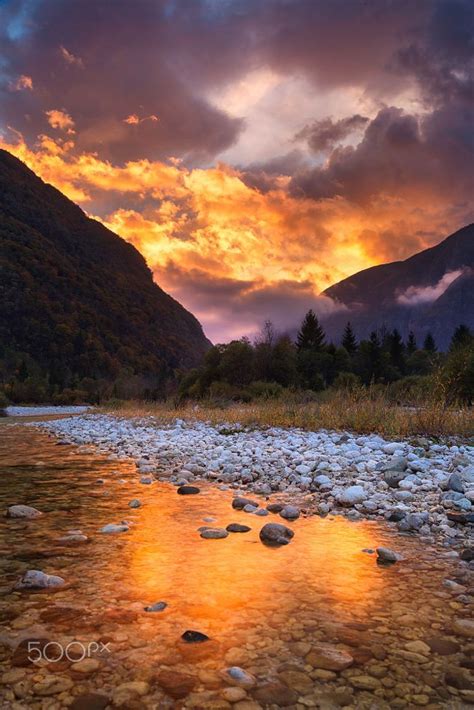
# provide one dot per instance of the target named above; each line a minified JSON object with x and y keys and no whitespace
{"x":275,"y":507}
{"x":158,"y":606}
{"x":233,"y":694}
{"x":442,"y":646}
{"x":90,"y":701}
{"x":114,"y":528}
{"x":386,"y":556}
{"x":275,"y":693}
{"x":329,"y":657}
{"x":36,"y":579}
{"x":175,"y":684}
{"x":194,"y":637}
{"x":86,"y":666}
{"x":188,"y":490}
{"x":276,"y":534}
{"x":52,"y":685}
{"x":464,"y":627}
{"x":239,"y":503}
{"x":237,"y":676}
{"x":135,"y":503}
{"x":418,"y":647}
{"x":75,"y":537}
{"x":146,"y":480}
{"x":23,"y":511}
{"x":249,"y":508}
{"x":237,"y":528}
{"x":352,"y":495}
{"x":290,"y":512}
{"x":214,"y":533}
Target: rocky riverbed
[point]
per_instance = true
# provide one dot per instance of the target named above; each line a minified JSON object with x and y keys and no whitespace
{"x":420,"y":486}
{"x":112,"y":597}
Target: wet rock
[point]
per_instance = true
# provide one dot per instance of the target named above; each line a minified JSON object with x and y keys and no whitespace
{"x":158,"y":606}
{"x":386,"y":556}
{"x":413,"y":521}
{"x":239,"y":503}
{"x":460,"y":518}
{"x":467,"y":554}
{"x":127,"y":693}
{"x":443,"y":646}
{"x":36,"y":579}
{"x":419,"y":647}
{"x":74,"y":538}
{"x":214,"y":533}
{"x":237,"y":676}
{"x":194,"y":637}
{"x":249,"y":508}
{"x":52,"y":685}
{"x":275,"y":694}
{"x":86,"y":666}
{"x":22,"y":656}
{"x":393,"y":478}
{"x":23,"y":511}
{"x":459,"y":678}
{"x":275,"y":507}
{"x":364,"y":682}
{"x":297,"y":680}
{"x":147,"y":480}
{"x":175,"y":684}
{"x":275,"y":534}
{"x":464,"y":627}
{"x":237,"y":528}
{"x":135,"y":503}
{"x":352,"y":495}
{"x":233,"y":694}
{"x":290,"y":512}
{"x":90,"y":701}
{"x":188,"y":490}
{"x":329,"y":657}
{"x":112,"y":528}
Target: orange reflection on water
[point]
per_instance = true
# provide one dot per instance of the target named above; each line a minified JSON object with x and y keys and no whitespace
{"x":211,"y":580}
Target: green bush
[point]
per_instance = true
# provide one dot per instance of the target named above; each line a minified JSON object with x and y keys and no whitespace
{"x":410,"y":390}
{"x":265,"y":390}
{"x":347,"y":381}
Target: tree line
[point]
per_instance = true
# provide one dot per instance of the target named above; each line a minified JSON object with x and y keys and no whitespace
{"x":273,"y":362}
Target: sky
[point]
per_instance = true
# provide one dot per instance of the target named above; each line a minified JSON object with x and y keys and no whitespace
{"x":254,"y":151}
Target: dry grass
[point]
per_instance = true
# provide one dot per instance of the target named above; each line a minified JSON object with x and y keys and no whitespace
{"x":359,"y":412}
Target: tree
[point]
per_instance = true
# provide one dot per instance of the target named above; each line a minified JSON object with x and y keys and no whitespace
{"x":237,"y":362}
{"x":429,"y":344}
{"x":311,"y":335}
{"x":349,"y":341}
{"x":397,"y":351}
{"x":411,"y":343}
{"x":462,"y":337}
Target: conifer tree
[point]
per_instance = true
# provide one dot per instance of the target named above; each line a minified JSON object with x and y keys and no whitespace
{"x":462,"y":336}
{"x":349,"y":341}
{"x":411,"y":343}
{"x":397,"y":350}
{"x":429,"y":344}
{"x":311,"y":335}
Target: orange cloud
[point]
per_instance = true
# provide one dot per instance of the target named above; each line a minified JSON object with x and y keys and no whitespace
{"x":134,"y":120}
{"x":61,"y":120}
{"x":70,"y":58}
{"x":23,"y":82}
{"x":209,"y":221}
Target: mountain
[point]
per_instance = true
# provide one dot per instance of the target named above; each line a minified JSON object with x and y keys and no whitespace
{"x":432,"y":291}
{"x":76,"y":300}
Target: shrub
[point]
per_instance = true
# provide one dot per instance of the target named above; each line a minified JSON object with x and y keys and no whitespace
{"x":265,"y":390}
{"x":346,"y":381}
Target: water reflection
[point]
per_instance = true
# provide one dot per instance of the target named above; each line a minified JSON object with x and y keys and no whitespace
{"x":263,"y":608}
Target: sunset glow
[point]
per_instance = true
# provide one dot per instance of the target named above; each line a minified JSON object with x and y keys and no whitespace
{"x":268,"y":179}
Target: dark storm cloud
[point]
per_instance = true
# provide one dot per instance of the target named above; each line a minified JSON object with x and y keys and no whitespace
{"x":323,"y":135}
{"x":243,"y":305}
{"x":104,"y":62}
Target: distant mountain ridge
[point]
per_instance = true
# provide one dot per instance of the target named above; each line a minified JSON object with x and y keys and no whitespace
{"x":76,"y":300}
{"x":432,"y":291}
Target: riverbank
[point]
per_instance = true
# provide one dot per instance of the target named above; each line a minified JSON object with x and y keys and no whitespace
{"x":419,"y":486}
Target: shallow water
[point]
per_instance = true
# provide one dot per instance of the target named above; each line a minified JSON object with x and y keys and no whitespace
{"x":262,"y":608}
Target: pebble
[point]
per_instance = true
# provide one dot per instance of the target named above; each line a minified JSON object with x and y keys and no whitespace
{"x":36,"y":579}
{"x":188,"y":490}
{"x":158,"y":606}
{"x":23,"y":511}
{"x":135,"y":503}
{"x":386,"y":556}
{"x":114,"y":528}
{"x":329,"y":657}
{"x":290,"y":512}
{"x":237,"y":528}
{"x":214,"y":533}
{"x":276,"y":534}
{"x":194,"y":637}
{"x":237,"y":676}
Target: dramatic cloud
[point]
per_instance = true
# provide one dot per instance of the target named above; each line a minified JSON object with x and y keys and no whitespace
{"x":415,"y":295}
{"x":325,"y":134}
{"x":255,"y":151}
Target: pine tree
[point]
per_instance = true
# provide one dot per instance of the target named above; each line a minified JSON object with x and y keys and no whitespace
{"x":462,"y":336}
{"x":349,"y":341}
{"x":429,"y":344}
{"x":311,"y":335}
{"x":397,"y":350}
{"x":411,"y":343}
